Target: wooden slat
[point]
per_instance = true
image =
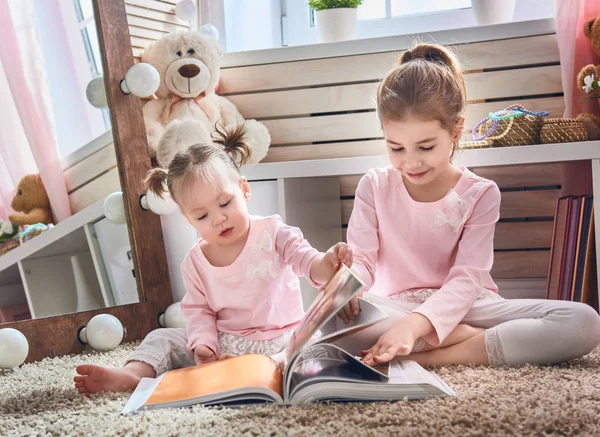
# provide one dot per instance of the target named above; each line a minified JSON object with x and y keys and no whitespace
{"x":91,"y":167}
{"x":141,"y":43}
{"x":372,"y":67}
{"x":135,"y":11}
{"x":521,"y":264}
{"x":152,"y":5}
{"x":523,"y":235}
{"x":348,"y":185}
{"x":354,"y":97}
{"x":161,"y":26}
{"x":517,"y":235}
{"x":514,"y":205}
{"x":362,"y":125}
{"x":521,"y":204}
{"x":327,"y":128}
{"x":95,"y":190}
{"x":517,"y":176}
{"x":139,"y":32}
{"x":325,"y":151}
{"x":514,"y":83}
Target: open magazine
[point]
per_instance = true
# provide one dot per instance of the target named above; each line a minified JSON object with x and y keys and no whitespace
{"x":314,"y":369}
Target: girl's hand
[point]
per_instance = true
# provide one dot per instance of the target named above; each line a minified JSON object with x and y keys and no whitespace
{"x":350,"y":310}
{"x":203,"y":354}
{"x":398,"y":340}
{"x":341,"y":253}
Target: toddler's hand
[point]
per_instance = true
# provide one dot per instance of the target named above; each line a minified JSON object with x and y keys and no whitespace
{"x":340,"y":253}
{"x":226,"y":356}
{"x":398,"y":340}
{"x":203,"y":354}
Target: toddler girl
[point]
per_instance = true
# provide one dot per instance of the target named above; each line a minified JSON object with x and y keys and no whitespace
{"x":242,"y":290}
{"x":422,"y":234}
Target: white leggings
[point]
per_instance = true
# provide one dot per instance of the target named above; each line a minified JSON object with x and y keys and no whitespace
{"x":518,"y":331}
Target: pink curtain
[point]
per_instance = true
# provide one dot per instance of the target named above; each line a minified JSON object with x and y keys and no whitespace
{"x":575,"y":51}
{"x":27,"y":138}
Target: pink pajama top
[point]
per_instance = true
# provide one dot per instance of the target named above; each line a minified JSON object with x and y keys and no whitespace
{"x":257,"y":296}
{"x":401,"y":245}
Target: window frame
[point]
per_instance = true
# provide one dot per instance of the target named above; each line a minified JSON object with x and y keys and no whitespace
{"x":298,"y":31}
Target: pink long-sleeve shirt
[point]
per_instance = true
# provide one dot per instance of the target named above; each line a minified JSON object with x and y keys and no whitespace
{"x":257,"y":296}
{"x":400,"y":244}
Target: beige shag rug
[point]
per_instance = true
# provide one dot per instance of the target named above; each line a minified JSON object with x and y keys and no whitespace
{"x":39,"y":400}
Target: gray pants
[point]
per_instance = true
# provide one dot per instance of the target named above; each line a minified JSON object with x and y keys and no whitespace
{"x":518,"y":331}
{"x":165,"y":348}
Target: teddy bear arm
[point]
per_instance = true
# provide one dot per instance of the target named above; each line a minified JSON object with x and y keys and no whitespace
{"x":229,"y":113}
{"x":36,"y":215}
{"x":154,"y":128}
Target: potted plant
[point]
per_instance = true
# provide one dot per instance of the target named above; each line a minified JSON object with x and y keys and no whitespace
{"x":336,"y":19}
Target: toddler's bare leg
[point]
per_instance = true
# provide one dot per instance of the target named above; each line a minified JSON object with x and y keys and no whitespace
{"x":94,"y":379}
{"x":163,"y":349}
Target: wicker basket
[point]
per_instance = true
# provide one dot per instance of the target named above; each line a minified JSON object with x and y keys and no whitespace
{"x":517,"y":131}
{"x":482,"y":144}
{"x":563,"y":130}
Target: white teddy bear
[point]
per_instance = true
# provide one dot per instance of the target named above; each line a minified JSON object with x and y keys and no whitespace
{"x":189,"y":67}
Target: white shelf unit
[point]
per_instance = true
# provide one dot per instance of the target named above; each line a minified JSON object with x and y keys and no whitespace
{"x":491,"y":157}
{"x":40,"y":272}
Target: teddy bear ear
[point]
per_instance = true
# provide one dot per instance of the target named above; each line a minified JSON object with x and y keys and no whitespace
{"x":147,"y":51}
{"x":210,"y":30}
{"x":587,"y":28}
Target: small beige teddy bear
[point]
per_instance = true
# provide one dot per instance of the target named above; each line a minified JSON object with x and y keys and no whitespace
{"x":189,"y":67}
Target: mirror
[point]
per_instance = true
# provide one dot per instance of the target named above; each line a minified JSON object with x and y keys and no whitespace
{"x":87,"y":256}
{"x":86,"y":264}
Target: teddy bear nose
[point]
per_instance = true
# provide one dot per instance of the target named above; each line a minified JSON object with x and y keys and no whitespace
{"x":189,"y":70}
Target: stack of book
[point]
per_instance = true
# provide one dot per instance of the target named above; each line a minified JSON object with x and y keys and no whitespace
{"x":572,"y":271}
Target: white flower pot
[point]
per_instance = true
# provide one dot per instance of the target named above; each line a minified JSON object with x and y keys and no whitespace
{"x":493,"y":11}
{"x":337,"y":24}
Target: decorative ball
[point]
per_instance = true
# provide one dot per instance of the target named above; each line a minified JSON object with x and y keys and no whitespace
{"x":142,"y":80}
{"x":103,"y":332}
{"x":210,"y":30}
{"x":185,"y":10}
{"x":160,"y":206}
{"x":13,"y":348}
{"x":114,"y":209}
{"x":96,"y":94}
{"x":173,"y":317}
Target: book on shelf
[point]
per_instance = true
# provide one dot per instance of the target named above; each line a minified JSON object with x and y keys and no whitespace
{"x":311,"y":369}
{"x":572,"y":267}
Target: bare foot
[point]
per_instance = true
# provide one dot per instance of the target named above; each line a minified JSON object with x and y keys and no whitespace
{"x":94,"y":379}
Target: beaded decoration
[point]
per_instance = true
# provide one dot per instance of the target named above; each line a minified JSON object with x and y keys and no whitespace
{"x":509,"y":113}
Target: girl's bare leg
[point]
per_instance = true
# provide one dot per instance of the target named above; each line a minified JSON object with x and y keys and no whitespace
{"x":461,"y":333}
{"x":470,"y":351}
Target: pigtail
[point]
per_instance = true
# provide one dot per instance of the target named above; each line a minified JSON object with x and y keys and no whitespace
{"x":155,"y":181}
{"x":233,"y":140}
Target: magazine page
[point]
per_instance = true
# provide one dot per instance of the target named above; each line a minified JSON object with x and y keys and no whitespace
{"x":342,"y":287}
{"x":327,"y":362}
{"x":243,"y":378}
{"x":141,"y":394}
{"x":335,"y":328}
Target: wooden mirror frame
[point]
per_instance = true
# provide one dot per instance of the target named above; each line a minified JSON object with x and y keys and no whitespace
{"x":57,"y":335}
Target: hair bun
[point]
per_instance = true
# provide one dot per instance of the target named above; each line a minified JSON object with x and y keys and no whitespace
{"x":428,"y":52}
